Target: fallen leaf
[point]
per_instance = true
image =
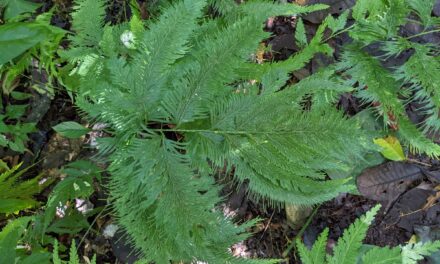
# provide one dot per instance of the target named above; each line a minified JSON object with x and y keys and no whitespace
{"x":387,"y":181}
{"x":391,"y":148}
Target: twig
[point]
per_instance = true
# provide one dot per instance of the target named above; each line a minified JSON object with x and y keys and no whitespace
{"x":267,"y":225}
{"x":419,"y":162}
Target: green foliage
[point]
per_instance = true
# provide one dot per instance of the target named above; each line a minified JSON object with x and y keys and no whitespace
{"x":184,"y":98}
{"x":26,"y":239}
{"x":73,"y":256}
{"x":349,"y":247}
{"x":71,"y":129}
{"x":15,"y":136}
{"x":87,"y":21}
{"x":390,"y":89}
{"x":16,"y":194}
{"x":77,"y":184}
{"x":10,"y":237}
{"x":22,"y":43}
{"x":300,"y":34}
{"x":13,"y":131}
{"x":14,"y":8}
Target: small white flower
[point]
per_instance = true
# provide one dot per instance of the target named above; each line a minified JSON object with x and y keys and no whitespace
{"x":128,"y":40}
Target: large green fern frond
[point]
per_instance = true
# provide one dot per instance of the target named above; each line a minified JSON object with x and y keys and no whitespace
{"x":317,"y":254}
{"x":87,"y":22}
{"x":420,"y":72}
{"x":348,"y":246}
{"x":178,"y":107}
{"x":17,"y":194}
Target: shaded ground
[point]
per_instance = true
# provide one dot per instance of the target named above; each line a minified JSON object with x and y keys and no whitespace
{"x":273,"y":235}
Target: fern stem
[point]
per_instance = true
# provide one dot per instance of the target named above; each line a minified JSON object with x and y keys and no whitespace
{"x":338,"y":33}
{"x":230,"y":132}
{"x":423,"y":33}
{"x":301,"y":232}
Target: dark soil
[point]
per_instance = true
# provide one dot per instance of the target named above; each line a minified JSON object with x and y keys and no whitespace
{"x":273,"y":236}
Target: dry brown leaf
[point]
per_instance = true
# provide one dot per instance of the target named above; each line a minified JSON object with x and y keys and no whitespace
{"x":387,"y":181}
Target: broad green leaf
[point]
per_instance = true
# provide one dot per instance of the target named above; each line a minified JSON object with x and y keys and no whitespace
{"x":17,"y":7}
{"x":16,"y":38}
{"x":71,"y":129}
{"x":391,"y":148}
{"x":37,"y":258}
{"x":20,"y":95}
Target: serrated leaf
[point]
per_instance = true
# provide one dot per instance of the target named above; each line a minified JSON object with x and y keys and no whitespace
{"x":300,"y":34}
{"x":412,"y":253}
{"x":348,"y":246}
{"x":391,"y":148}
{"x":15,"y":205}
{"x":71,"y":129}
{"x":339,"y":23}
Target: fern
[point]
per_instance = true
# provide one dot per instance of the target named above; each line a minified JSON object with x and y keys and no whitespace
{"x":317,"y":253}
{"x":87,"y":20}
{"x":390,"y":89}
{"x":16,"y":194}
{"x":411,"y":253}
{"x":73,"y":255}
{"x":348,"y":248}
{"x":351,"y":241}
{"x":180,"y":103}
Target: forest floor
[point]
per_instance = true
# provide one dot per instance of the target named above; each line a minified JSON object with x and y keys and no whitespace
{"x":404,"y":212}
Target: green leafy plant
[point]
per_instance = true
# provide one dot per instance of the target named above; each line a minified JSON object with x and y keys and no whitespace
{"x":349,"y":248}
{"x":26,"y":239}
{"x":184,"y":99}
{"x":14,"y":245}
{"x":13,"y":131}
{"x":16,"y":194}
{"x":25,"y":43}
{"x":389,"y":89}
{"x":78,"y":183}
{"x":14,"y":8}
{"x":73,"y":256}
